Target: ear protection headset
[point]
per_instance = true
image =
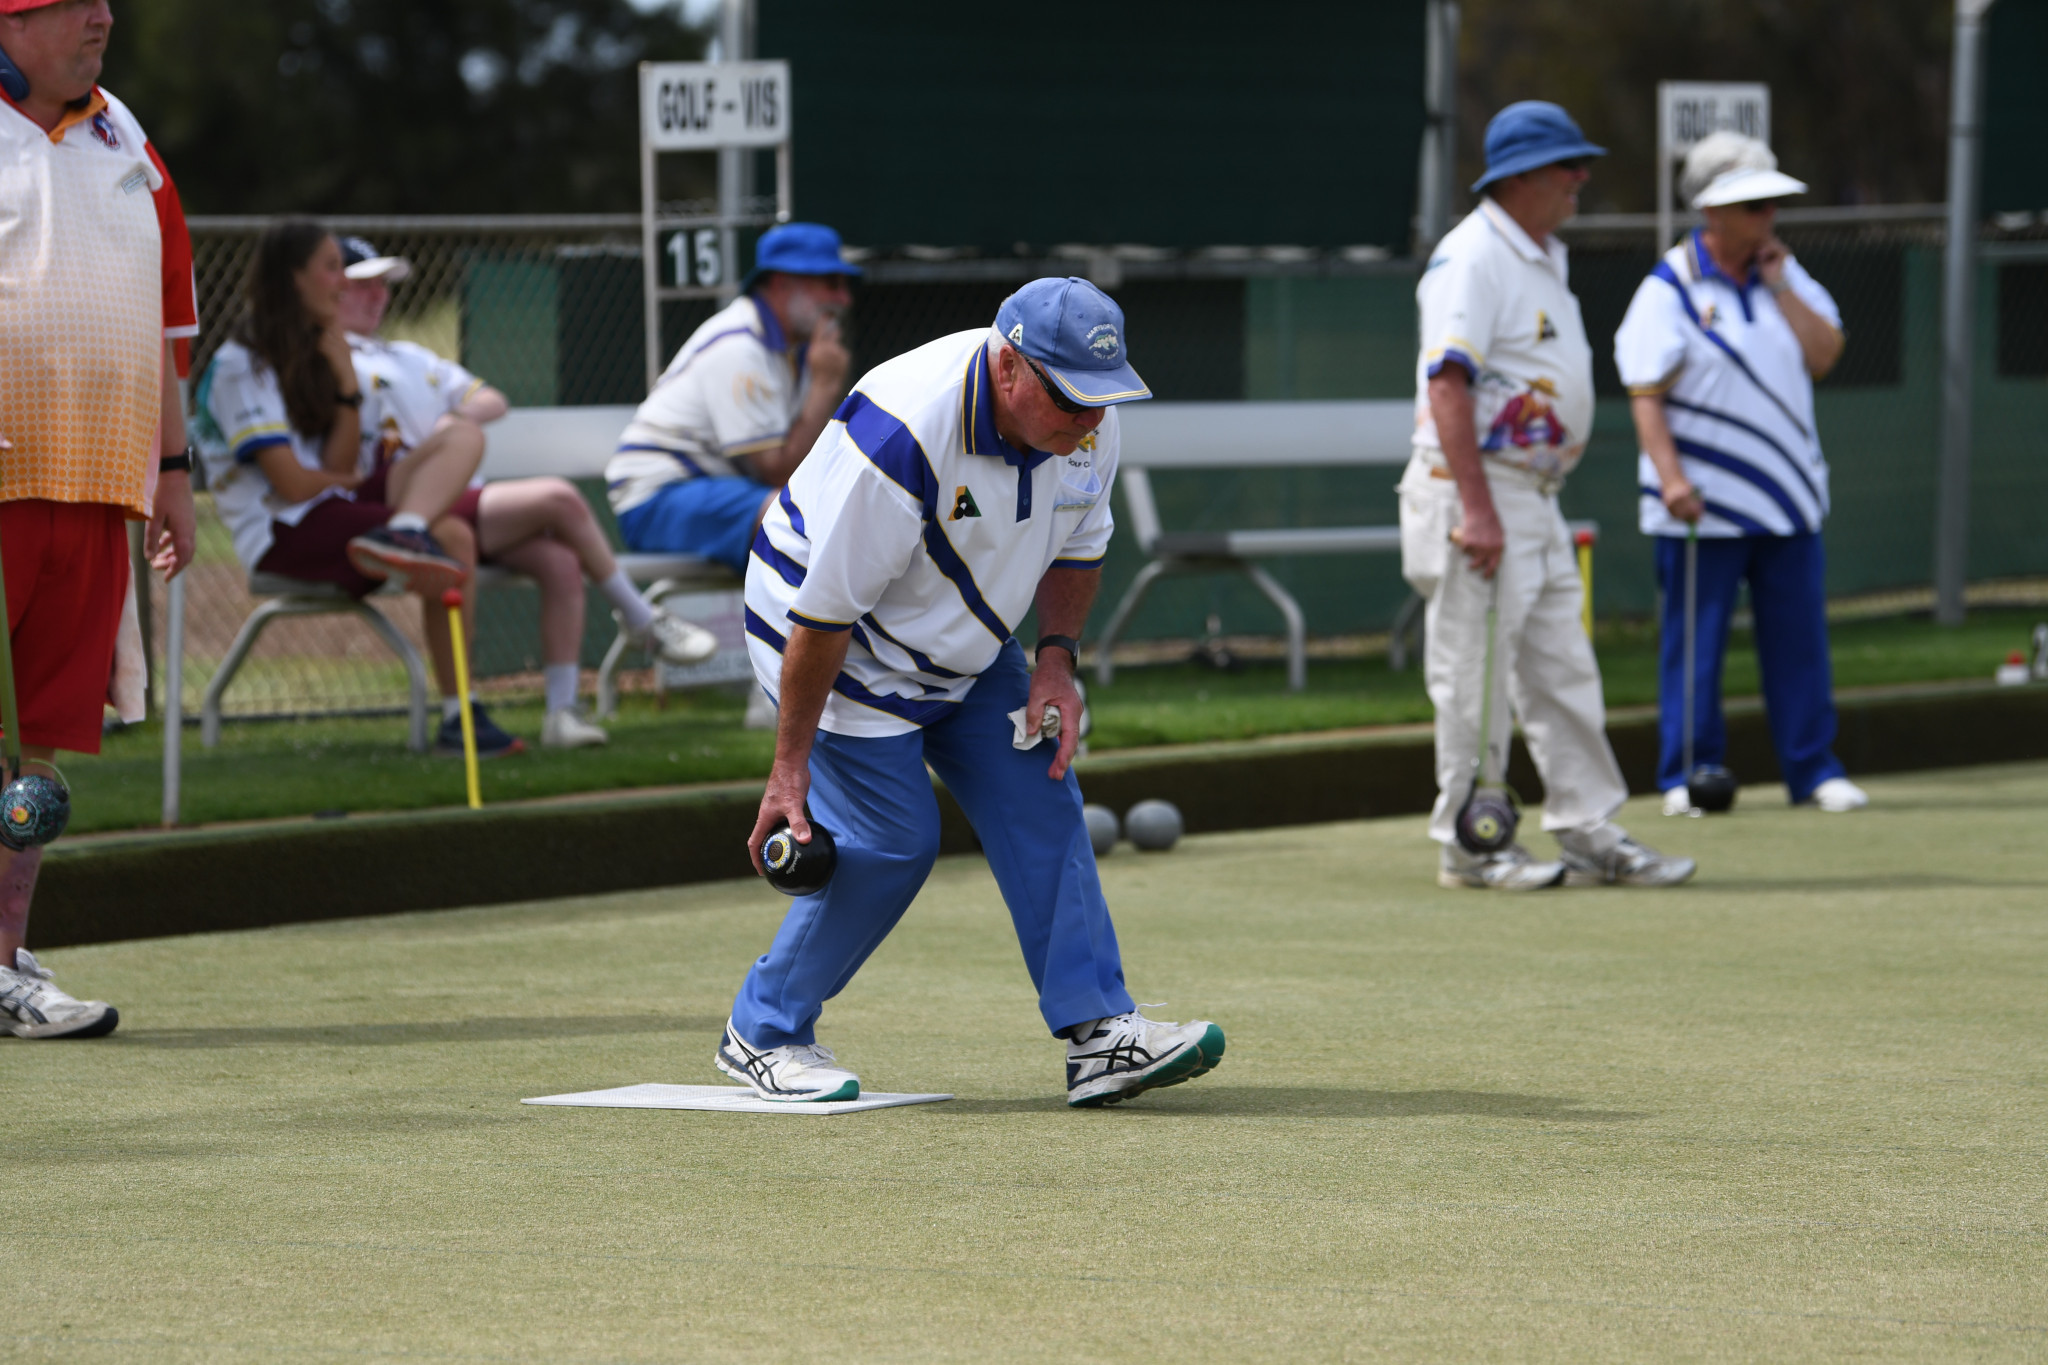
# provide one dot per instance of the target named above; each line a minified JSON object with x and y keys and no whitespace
{"x":11,"y":79}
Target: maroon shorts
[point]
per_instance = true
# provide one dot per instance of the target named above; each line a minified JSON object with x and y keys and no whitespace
{"x":317,"y":548}
{"x":67,"y":580}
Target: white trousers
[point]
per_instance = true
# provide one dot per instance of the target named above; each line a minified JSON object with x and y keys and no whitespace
{"x":1544,"y":673}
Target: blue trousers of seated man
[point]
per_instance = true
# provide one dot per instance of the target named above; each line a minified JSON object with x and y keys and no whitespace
{"x":1788,"y":599}
{"x":877,"y":799}
{"x":712,"y":517}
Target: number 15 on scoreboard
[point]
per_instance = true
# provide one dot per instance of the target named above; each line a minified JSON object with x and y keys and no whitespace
{"x":690,"y":256}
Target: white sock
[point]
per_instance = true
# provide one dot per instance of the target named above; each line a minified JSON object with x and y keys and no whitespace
{"x":634,"y":610}
{"x":561,"y":685}
{"x":451,"y":708}
{"x":407,"y":521}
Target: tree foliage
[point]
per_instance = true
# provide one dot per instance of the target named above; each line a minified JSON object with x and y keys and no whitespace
{"x":394,"y":106}
{"x":1859,"y":90}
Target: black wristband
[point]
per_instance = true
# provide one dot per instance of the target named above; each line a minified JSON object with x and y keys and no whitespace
{"x":176,"y":464}
{"x":349,"y":400}
{"x":1066,"y":642}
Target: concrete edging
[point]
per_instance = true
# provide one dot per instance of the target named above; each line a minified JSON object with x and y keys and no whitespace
{"x":200,"y":881}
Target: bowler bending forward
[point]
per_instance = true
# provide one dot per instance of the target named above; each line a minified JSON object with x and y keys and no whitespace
{"x":955,"y":486}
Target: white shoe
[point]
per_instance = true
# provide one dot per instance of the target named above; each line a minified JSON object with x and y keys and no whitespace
{"x":674,"y":640}
{"x":1113,"y":1059}
{"x":1514,"y":868}
{"x":794,"y":1071}
{"x":1678,"y":801}
{"x":761,"y":712}
{"x":1623,"y":863}
{"x":1838,"y":796}
{"x":31,"y":1007}
{"x":565,"y":728}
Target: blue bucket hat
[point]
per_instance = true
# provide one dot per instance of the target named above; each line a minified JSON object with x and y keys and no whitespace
{"x":799,"y":249}
{"x":1076,"y":332}
{"x":1529,"y":134}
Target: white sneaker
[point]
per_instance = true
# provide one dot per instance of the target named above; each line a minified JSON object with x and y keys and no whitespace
{"x":794,"y":1071}
{"x":1113,"y":1059}
{"x":674,"y":640}
{"x":1514,"y":868}
{"x":1838,"y":796}
{"x":565,"y":728}
{"x":1623,"y":863}
{"x":1678,"y":801}
{"x":761,"y":712}
{"x":31,"y":1007}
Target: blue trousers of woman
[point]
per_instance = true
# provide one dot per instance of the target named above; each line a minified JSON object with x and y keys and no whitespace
{"x":1788,"y":598}
{"x":876,"y":798}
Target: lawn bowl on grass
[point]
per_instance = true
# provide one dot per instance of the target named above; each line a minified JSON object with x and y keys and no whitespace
{"x":1790,"y":1111}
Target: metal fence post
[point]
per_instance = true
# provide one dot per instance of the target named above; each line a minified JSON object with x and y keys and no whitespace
{"x":174,"y":698}
{"x":1440,"y":125}
{"x":1959,"y":314}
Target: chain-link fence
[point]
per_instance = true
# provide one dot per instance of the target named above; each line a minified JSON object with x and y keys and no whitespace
{"x":549,"y":310}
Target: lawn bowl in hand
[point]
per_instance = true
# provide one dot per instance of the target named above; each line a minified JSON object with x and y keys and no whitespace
{"x":1711,"y":787}
{"x":33,"y":811}
{"x":1486,"y":822}
{"x":1103,"y":829}
{"x":798,"y":869}
{"x":1153,"y":825}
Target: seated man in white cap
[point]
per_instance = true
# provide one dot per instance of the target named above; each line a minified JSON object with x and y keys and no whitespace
{"x":540,"y":527}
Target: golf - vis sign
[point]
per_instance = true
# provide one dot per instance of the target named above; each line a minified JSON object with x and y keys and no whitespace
{"x":698,"y":106}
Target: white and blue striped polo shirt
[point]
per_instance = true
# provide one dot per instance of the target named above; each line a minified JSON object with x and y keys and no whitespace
{"x":1736,"y":393}
{"x":918,"y":528}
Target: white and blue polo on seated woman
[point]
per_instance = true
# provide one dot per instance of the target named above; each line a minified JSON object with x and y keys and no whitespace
{"x":1734,"y":381}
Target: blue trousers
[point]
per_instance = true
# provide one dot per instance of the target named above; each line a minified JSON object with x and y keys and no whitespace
{"x":876,"y":798}
{"x":712,"y":517}
{"x":1787,"y":596}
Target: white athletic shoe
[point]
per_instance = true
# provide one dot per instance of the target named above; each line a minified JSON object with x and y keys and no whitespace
{"x":674,"y":640}
{"x":1113,"y":1059}
{"x":794,"y":1071}
{"x":1514,"y":868}
{"x":1838,"y":796}
{"x":565,"y":728}
{"x":1678,"y":801}
{"x":1625,"y":863}
{"x":761,"y":713}
{"x":31,"y":1007}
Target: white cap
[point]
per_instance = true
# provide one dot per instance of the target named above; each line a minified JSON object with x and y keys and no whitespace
{"x":1728,"y":168}
{"x":360,"y":261}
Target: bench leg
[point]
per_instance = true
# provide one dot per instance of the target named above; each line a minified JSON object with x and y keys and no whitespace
{"x":1408,"y":620}
{"x":1133,"y":595}
{"x":231,"y":663}
{"x":1297,"y":628}
{"x":415,"y":671}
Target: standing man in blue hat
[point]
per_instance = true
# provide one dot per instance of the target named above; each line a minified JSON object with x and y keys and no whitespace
{"x":1504,"y":403}
{"x":957,"y":486}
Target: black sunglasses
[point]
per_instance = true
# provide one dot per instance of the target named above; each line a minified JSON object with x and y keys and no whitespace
{"x":1758,"y":206}
{"x":1575,"y":163}
{"x":1059,"y":400}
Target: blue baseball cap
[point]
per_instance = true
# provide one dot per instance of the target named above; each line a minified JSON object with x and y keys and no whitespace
{"x":799,"y":249}
{"x":1529,"y":134}
{"x":1076,"y":333}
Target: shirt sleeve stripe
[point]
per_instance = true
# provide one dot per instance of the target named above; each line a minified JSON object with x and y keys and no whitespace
{"x":765,"y":551}
{"x":796,"y":518}
{"x":1094,"y":563}
{"x":815,"y":624}
{"x":891,"y":447}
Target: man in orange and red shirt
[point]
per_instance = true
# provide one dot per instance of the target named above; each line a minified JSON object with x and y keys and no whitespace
{"x":96,"y":299}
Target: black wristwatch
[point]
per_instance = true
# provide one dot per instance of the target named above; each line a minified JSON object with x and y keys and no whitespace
{"x":350,"y":400}
{"x":1066,"y":642}
{"x":180,"y":463}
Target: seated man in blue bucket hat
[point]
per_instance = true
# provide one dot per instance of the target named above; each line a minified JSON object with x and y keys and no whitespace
{"x":739,"y":406}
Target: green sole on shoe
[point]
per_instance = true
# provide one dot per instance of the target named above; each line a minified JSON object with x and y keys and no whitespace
{"x":1198,"y":1060}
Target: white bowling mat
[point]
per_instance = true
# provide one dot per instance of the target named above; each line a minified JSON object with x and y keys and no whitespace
{"x":734,"y":1099}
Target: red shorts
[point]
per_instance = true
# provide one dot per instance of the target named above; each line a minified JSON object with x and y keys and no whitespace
{"x":317,"y":548}
{"x":67,"y":580}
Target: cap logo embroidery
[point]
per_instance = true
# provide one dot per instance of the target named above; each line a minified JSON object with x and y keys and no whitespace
{"x":1103,"y":341}
{"x":1017,"y":335}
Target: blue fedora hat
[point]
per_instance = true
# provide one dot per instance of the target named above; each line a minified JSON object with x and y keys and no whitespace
{"x":1076,"y":332}
{"x":1529,"y":134}
{"x":799,"y":249}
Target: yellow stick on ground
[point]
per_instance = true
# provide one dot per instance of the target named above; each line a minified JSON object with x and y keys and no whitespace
{"x":1584,"y":540}
{"x":452,"y":599}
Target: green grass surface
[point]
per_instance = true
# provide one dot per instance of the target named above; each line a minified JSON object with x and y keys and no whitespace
{"x":1793,"y":1111}
{"x":265,"y":769}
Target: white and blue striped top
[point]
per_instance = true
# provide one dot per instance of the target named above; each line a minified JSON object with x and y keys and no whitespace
{"x":1736,"y":393}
